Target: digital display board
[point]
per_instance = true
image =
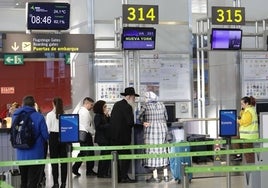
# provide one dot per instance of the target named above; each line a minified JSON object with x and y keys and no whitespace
{"x":138,"y":38}
{"x":228,"y":15}
{"x":226,"y":39}
{"x":228,"y":123}
{"x":48,"y":16}
{"x":69,"y":128}
{"x":140,"y":14}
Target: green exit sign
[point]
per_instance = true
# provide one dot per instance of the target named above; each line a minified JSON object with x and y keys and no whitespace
{"x":12,"y":59}
{"x":67,"y":59}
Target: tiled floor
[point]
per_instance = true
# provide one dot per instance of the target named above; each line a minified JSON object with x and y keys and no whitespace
{"x":237,"y":181}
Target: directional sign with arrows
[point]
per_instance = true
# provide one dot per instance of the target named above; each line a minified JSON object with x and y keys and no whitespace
{"x":15,"y":47}
{"x":12,"y":59}
{"x":43,"y":43}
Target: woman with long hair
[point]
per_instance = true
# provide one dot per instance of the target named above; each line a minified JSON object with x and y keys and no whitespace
{"x":248,"y":125}
{"x":56,"y":148}
{"x":102,"y":136}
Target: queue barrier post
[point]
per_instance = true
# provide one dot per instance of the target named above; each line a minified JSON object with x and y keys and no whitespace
{"x":185,"y":179}
{"x":114,"y":169}
{"x":69,"y":166}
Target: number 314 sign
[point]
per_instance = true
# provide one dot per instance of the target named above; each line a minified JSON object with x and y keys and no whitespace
{"x":140,"y":14}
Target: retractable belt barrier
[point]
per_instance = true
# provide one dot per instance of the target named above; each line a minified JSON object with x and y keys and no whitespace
{"x":143,"y":156}
{"x":165,"y":155}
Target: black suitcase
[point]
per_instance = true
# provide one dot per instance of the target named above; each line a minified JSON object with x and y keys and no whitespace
{"x":200,"y":138}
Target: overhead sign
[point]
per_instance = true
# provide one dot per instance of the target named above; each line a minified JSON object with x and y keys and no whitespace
{"x":7,"y":90}
{"x":12,"y":59}
{"x":228,"y":15}
{"x":140,"y":14}
{"x":41,"y":43}
{"x":48,"y":16}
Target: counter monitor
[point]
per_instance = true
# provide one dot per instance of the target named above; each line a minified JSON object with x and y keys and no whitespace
{"x":226,"y":39}
{"x":138,"y":38}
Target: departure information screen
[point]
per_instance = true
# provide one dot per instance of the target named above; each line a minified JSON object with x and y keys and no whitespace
{"x":48,"y":16}
{"x":138,"y":38}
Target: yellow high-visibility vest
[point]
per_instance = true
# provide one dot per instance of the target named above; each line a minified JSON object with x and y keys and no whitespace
{"x":252,"y":130}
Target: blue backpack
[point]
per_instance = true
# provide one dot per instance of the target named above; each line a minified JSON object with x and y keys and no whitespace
{"x":22,"y":134}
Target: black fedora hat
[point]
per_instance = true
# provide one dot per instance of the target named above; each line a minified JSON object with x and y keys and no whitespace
{"x":129,"y":91}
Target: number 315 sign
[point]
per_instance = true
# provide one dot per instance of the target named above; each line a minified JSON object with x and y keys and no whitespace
{"x":228,"y":15}
{"x":140,"y":14}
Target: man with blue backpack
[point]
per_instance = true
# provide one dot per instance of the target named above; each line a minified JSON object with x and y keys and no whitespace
{"x":28,"y":135}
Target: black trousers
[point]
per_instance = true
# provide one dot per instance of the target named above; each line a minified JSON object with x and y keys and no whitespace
{"x":104,"y":166}
{"x":123,"y":165}
{"x":31,"y":175}
{"x":89,"y":164}
{"x":57,"y":150}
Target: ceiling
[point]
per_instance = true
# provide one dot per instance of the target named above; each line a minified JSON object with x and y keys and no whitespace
{"x":198,"y":6}
{"x":12,"y":3}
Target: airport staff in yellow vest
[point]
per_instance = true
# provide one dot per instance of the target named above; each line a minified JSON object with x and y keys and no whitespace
{"x":248,"y":125}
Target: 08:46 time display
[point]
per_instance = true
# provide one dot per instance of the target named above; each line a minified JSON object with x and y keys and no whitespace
{"x":40,"y":20}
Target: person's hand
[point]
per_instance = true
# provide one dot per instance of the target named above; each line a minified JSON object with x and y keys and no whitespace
{"x":106,"y":113}
{"x":36,"y":107}
{"x":146,"y":124}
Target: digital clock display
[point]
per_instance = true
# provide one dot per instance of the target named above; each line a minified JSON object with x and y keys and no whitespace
{"x":138,"y":38}
{"x":48,"y":16}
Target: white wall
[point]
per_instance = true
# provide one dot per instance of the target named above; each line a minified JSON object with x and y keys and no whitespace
{"x":82,"y":65}
{"x":12,"y":20}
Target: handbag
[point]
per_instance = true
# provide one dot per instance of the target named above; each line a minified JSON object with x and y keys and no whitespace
{"x":82,"y":136}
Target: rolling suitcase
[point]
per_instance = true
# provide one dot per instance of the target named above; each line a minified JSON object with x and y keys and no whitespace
{"x":12,"y":177}
{"x":178,"y":135}
{"x":175,"y":163}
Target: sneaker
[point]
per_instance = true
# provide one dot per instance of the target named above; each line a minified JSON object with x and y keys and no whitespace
{"x":166,"y":178}
{"x":153,"y":180}
{"x":237,"y":158}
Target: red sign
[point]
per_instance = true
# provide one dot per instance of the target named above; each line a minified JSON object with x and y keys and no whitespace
{"x":7,"y":90}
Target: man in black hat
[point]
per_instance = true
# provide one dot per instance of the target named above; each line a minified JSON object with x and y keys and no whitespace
{"x":122,"y":121}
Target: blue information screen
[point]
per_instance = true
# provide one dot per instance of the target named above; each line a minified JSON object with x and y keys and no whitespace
{"x":138,"y":38}
{"x":228,"y":123}
{"x":69,"y":128}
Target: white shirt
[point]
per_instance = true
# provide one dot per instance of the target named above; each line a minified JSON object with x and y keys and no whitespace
{"x":85,"y":121}
{"x":52,"y":121}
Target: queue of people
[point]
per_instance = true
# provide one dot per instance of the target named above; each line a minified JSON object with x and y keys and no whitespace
{"x":107,"y":129}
